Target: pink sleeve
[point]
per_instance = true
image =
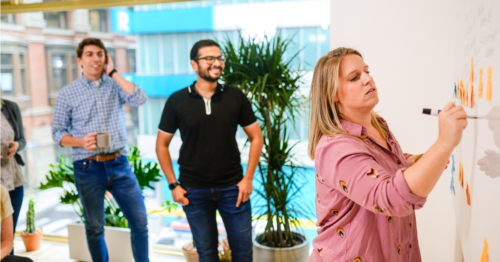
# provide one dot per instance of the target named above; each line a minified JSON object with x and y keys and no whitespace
{"x":347,"y":166}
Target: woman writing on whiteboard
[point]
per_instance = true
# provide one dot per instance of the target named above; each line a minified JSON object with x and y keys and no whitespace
{"x":366,"y":190}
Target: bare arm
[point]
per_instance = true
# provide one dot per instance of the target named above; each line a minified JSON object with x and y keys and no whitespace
{"x":7,"y":241}
{"x":424,"y":174}
{"x":256,"y":141}
{"x":126,"y":85}
{"x":162,"y":143}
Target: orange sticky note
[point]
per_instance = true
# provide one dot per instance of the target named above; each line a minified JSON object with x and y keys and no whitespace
{"x":480,"y":86}
{"x":466,"y":94}
{"x":472,"y":70}
{"x":485,"y":257}
{"x":471,"y":96}
{"x":461,"y":175}
{"x":489,"y":84}
{"x":467,"y":193}
{"x":462,"y":92}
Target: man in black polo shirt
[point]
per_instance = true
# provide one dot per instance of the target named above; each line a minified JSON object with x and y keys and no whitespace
{"x":211,"y":177}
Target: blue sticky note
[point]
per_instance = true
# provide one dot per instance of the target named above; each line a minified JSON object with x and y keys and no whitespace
{"x":452,"y":164}
{"x":452,"y":186}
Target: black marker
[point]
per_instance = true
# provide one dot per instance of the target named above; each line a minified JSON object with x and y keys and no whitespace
{"x":435,"y":112}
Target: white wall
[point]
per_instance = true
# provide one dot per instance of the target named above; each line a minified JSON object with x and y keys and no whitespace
{"x":409,"y":48}
{"x":254,"y":17}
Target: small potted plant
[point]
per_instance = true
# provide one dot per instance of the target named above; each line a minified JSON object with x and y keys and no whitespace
{"x":32,"y":236}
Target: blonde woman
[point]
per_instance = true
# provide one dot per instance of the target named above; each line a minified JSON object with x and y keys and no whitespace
{"x":366,"y":190}
{"x":12,"y":134}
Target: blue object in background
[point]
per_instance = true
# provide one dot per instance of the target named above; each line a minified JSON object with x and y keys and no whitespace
{"x":161,"y":85}
{"x":164,"y":21}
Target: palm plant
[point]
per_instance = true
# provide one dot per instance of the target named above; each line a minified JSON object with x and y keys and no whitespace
{"x":259,"y":69}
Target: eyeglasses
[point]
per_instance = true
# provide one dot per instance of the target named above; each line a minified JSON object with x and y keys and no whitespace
{"x":210,"y":59}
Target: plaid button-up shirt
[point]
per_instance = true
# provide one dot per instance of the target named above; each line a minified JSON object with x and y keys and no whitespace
{"x":82,"y":108}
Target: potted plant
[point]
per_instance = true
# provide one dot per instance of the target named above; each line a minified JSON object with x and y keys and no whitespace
{"x":117,"y":233}
{"x":32,"y":236}
{"x":259,"y":69}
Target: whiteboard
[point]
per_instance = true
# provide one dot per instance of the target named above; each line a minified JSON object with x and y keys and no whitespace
{"x":475,"y":180}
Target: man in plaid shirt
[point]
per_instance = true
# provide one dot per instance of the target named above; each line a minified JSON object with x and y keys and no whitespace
{"x":94,"y":103}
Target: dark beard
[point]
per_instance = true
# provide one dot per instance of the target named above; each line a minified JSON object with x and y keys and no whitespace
{"x":206,"y":76}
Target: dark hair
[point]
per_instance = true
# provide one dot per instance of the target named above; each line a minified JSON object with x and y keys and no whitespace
{"x":90,"y":41}
{"x":201,"y":44}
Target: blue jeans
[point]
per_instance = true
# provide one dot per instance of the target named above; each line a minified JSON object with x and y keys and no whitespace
{"x":203,"y":202}
{"x":92,"y":179}
{"x":16,"y":198}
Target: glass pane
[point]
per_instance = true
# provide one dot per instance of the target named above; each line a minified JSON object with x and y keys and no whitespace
{"x":226,"y":2}
{"x":75,"y":66}
{"x":294,"y":47}
{"x":324,"y":39}
{"x":182,"y":54}
{"x":23,"y":82}
{"x":9,"y":18}
{"x":98,"y":19}
{"x":241,"y":1}
{"x":56,"y":19}
{"x":195,"y":37}
{"x":58,"y":61}
{"x":181,"y":5}
{"x":6,"y":60}
{"x":167,"y":6}
{"x":7,"y":82}
{"x":142,"y":53}
{"x":194,"y":4}
{"x":112,"y":54}
{"x":131,"y":60}
{"x":208,"y":3}
{"x":309,"y":42}
{"x":154,"y":60}
{"x":168,"y":54}
{"x":21,"y":60}
{"x":60,"y":78}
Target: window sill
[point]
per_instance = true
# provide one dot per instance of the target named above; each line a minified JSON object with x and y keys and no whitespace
{"x":18,"y":98}
{"x":101,"y":35}
{"x":58,"y":31}
{"x":13,"y":27}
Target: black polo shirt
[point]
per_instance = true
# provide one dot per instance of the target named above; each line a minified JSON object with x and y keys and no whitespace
{"x":209,"y":155}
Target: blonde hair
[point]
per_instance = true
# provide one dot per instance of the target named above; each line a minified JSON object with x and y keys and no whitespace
{"x":325,"y":114}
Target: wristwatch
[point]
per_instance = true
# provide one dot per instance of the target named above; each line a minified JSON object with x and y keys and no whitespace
{"x":112,"y":72}
{"x":173,"y":185}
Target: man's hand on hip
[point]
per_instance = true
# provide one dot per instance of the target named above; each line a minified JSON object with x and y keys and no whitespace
{"x":245,"y":186}
{"x":179,"y":196}
{"x":89,"y":141}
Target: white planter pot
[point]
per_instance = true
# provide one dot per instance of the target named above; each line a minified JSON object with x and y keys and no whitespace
{"x":117,"y":241}
{"x":298,"y":253}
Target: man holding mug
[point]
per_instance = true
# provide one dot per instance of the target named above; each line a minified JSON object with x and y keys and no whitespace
{"x":92,"y":104}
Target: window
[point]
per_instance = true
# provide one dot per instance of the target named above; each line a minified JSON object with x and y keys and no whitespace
{"x":98,"y":20}
{"x":8,"y":18}
{"x":74,"y":65}
{"x":7,"y":75}
{"x":131,"y":61}
{"x":59,"y":71}
{"x":56,"y":19}
{"x":22,"y":66}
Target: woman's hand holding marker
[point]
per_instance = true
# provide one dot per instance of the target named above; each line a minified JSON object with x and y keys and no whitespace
{"x":452,"y":122}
